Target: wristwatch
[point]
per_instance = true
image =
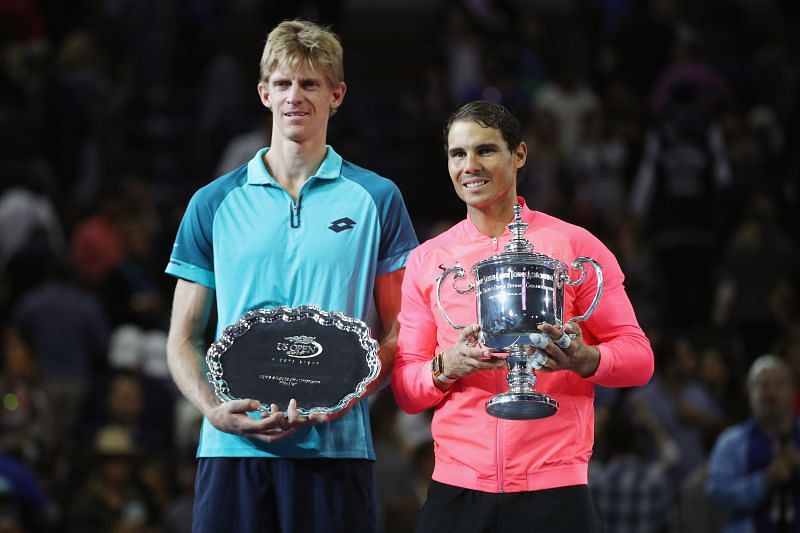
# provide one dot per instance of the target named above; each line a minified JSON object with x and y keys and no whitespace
{"x":437,"y":369}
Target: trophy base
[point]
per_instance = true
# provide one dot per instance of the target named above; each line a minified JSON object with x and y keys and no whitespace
{"x":521,"y":406}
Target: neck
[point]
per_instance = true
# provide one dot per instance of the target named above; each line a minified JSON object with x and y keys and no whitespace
{"x":492,"y":220}
{"x":292,"y":163}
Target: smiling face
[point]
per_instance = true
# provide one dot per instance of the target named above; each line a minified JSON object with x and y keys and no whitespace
{"x":301,"y":101}
{"x":482,"y":167}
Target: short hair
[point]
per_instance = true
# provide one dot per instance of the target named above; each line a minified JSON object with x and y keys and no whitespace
{"x":299,"y":43}
{"x":767,"y":361}
{"x":488,"y":115}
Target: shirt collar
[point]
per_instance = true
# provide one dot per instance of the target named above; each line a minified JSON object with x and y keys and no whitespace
{"x":259,"y":174}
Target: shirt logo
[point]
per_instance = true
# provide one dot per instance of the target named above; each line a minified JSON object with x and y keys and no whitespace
{"x":342,"y":224}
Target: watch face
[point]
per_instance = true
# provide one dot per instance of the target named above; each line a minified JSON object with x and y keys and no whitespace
{"x":435,"y":366}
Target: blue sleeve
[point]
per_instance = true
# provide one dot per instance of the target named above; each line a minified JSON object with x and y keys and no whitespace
{"x":397,"y":232}
{"x":192,"y":256}
{"x":730,"y":486}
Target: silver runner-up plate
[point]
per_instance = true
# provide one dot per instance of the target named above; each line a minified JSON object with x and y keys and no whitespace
{"x":324,"y":360}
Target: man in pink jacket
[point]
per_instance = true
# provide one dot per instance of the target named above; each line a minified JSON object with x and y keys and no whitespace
{"x":493,"y":474}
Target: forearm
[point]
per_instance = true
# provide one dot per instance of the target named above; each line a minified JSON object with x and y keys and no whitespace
{"x":185,"y":364}
{"x":185,"y":344}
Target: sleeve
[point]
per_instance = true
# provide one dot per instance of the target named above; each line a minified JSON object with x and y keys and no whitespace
{"x":729,"y":486}
{"x":412,"y":384}
{"x":192,"y":256}
{"x":626,"y":357}
{"x":397,"y":232}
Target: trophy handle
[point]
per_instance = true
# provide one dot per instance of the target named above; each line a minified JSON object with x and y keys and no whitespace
{"x":578,"y":265}
{"x":459,"y":273}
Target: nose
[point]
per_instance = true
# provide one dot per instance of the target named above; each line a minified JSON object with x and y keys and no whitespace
{"x":295,"y":93}
{"x":471,"y":164}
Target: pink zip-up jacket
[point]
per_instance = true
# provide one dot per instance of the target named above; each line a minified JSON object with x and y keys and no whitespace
{"x":473,"y":449}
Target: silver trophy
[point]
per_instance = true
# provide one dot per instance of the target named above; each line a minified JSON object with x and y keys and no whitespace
{"x":516,"y":290}
{"x":324,"y":360}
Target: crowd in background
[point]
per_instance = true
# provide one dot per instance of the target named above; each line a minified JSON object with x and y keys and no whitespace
{"x":669,"y":128}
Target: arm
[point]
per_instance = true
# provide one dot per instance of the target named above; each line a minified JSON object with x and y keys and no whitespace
{"x":414,"y":387}
{"x":191,"y":308}
{"x":610,"y":348}
{"x":387,"y":299}
{"x":625,"y":354}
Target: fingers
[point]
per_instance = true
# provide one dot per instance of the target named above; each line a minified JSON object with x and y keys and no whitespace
{"x":469,"y":335}
{"x":555,"y":346}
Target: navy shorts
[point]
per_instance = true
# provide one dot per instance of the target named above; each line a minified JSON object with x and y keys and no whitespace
{"x":259,"y":495}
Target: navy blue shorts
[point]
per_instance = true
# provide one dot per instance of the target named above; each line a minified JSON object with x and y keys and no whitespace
{"x":255,"y":495}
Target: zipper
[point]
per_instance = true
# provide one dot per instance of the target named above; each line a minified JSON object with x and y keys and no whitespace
{"x":499,"y":439}
{"x":495,"y":243}
{"x":294,"y":212}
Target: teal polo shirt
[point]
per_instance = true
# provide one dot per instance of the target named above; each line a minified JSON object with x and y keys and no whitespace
{"x":245,"y":237}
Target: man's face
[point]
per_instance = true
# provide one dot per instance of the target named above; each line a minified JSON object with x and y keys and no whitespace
{"x":301,"y":101}
{"x":771,"y":395}
{"x":481,"y":166}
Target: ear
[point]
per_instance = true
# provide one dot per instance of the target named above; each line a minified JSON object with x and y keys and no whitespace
{"x":263,"y":93}
{"x":338,"y":95}
{"x":521,"y":155}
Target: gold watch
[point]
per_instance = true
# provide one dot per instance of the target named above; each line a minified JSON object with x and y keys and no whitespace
{"x":437,"y":369}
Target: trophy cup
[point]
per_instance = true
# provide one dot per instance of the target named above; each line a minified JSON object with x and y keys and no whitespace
{"x":516,"y":290}
{"x":324,"y":360}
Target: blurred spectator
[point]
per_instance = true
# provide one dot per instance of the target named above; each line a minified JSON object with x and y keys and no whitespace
{"x":544,"y":178}
{"x":742,"y":300}
{"x":464,"y":53}
{"x":688,"y":69}
{"x":569,"y":99}
{"x":688,"y":413}
{"x":26,"y":419}
{"x":633,"y":492}
{"x":596,"y":166}
{"x":240,"y":149}
{"x":110,"y":498}
{"x":677,"y":196}
{"x":753,"y":472}
{"x":135,"y":405}
{"x":23,"y":502}
{"x":96,"y":244}
{"x":28,"y":221}
{"x":78,"y":96}
{"x":66,"y":331}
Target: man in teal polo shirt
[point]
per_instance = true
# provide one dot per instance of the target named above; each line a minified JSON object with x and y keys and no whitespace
{"x":296,"y":225}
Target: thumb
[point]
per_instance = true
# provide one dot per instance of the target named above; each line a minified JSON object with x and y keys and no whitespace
{"x":242,"y":406}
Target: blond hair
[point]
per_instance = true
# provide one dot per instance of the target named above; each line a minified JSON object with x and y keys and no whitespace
{"x":299,"y":43}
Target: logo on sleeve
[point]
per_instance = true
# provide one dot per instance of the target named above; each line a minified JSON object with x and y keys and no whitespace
{"x":342,"y":224}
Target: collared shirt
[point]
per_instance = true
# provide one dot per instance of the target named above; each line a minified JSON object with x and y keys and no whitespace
{"x":258,"y":247}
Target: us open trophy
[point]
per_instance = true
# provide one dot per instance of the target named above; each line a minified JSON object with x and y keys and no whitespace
{"x":516,"y":290}
{"x":324,"y":360}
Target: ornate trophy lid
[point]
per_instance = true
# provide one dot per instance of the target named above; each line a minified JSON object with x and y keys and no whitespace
{"x":518,"y":227}
{"x":520,"y":248}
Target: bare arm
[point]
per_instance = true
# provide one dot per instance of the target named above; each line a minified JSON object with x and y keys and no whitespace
{"x":387,"y":299}
{"x":191,"y":308}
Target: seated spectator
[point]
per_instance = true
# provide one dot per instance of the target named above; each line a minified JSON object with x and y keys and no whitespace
{"x":753,"y":471}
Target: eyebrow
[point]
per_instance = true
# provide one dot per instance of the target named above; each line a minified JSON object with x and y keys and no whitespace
{"x":491,"y":146}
